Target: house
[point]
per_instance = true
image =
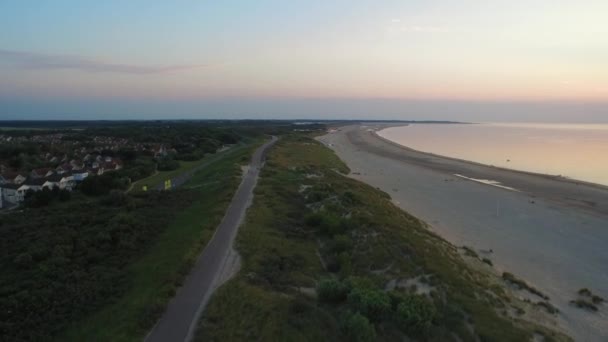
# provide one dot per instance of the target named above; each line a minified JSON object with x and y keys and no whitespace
{"x":112,"y":166}
{"x":42,"y":172}
{"x":12,"y":178}
{"x":64,"y":168}
{"x":67,"y":182}
{"x":52,"y":181}
{"x":9,"y":193}
{"x":160,"y":152}
{"x":79,"y":175}
{"x":34,"y":184}
{"x":95,"y":171}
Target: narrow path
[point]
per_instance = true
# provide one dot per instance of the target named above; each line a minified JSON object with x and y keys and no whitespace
{"x":179,"y":320}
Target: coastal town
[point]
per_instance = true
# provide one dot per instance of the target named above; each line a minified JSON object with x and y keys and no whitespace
{"x":54,"y":161}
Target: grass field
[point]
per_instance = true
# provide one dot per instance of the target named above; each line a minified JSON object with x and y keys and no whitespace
{"x":328,"y":258}
{"x":154,"y":277}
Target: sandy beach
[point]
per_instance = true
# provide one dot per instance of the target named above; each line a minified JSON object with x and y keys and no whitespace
{"x":550,"y":231}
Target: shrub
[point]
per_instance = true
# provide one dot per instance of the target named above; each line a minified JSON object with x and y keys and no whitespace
{"x":584,"y":292}
{"x":374,"y":304}
{"x":583,"y":304}
{"x":313,"y":219}
{"x":358,"y":328}
{"x":548,"y":307}
{"x":332,"y":290}
{"x":167,"y":164}
{"x":341,"y":243}
{"x":415,"y":313}
{"x":521,"y":284}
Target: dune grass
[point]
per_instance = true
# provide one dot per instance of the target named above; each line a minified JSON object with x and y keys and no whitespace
{"x":310,"y":222}
{"x":154,"y":277}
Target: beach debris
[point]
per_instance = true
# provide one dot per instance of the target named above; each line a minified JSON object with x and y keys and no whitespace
{"x":487,"y":182}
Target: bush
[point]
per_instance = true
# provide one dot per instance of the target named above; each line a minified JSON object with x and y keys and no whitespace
{"x":101,"y":185}
{"x":167,"y":164}
{"x":331,"y":290}
{"x":358,"y":328}
{"x":415,"y":313}
{"x":341,"y":243}
{"x":583,"y":304}
{"x":374,"y":304}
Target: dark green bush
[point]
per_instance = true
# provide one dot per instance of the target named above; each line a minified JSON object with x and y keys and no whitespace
{"x":357,"y":327}
{"x":332,"y":290}
{"x":415,"y":313}
{"x":372,"y":303}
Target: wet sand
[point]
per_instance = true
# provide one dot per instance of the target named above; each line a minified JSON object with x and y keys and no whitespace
{"x":552,"y":232}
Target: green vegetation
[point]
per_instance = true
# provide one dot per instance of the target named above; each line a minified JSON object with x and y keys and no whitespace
{"x":159,"y":271}
{"x":468,"y":251}
{"x":104,"y":267}
{"x":65,"y":259}
{"x":522,"y":285}
{"x":328,"y":258}
{"x":584,"y":304}
{"x":184,"y":167}
{"x":548,"y":307}
{"x":585,"y":292}
{"x":587,"y":300}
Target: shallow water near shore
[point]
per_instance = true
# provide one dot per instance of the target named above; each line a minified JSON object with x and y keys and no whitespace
{"x":577,"y":151}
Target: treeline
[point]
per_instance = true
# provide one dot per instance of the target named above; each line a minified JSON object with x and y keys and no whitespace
{"x":66,"y":259}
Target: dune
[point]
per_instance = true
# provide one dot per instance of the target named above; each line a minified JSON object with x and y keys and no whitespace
{"x":552,"y":231}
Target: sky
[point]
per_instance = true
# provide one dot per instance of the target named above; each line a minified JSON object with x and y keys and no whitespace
{"x":483,"y":60}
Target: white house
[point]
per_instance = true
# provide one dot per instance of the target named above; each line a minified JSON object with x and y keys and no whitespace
{"x":67,"y":182}
{"x":10,"y":193}
{"x":80,"y":175}
{"x":13,"y":178}
{"x":34,"y":184}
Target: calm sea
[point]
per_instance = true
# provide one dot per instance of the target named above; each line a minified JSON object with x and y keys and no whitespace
{"x":578,"y":151}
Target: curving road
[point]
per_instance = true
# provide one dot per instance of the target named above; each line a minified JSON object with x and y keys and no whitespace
{"x":180,"y":319}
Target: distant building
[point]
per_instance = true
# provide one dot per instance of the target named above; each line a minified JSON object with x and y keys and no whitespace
{"x":42,"y":172}
{"x":9,"y":194}
{"x":12,"y":178}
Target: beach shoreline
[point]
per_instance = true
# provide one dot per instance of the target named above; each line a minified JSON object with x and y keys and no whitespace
{"x":531,"y":173}
{"x":551,"y":232}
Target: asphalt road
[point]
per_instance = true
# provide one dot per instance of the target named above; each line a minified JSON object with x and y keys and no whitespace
{"x":180,"y":319}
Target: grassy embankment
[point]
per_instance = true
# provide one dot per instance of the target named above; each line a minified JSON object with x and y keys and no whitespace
{"x":184,"y":166}
{"x":154,"y":277}
{"x":328,"y":258}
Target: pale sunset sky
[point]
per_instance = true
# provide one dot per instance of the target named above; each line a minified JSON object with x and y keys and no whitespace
{"x":485,"y":60}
